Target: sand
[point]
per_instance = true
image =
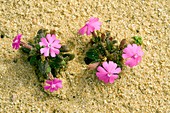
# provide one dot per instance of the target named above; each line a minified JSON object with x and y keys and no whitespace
{"x":142,"y":89}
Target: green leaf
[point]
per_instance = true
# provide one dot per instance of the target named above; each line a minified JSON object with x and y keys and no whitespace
{"x":40,"y":71}
{"x":137,"y":40}
{"x":114,"y":41}
{"x":48,"y":69}
{"x":64,"y":48}
{"x":70,"y":56}
{"x":56,"y":62}
{"x":41,"y":68}
{"x":109,"y":45}
{"x":25,"y":50}
{"x":92,"y":54}
{"x":55,"y":65}
{"x":87,"y":60}
{"x":100,"y":49}
{"x":119,"y":63}
{"x":33,"y":60}
{"x":107,"y":34}
{"x":96,"y":39}
{"x":58,"y":58}
{"x":63,"y":62}
{"x":41,"y":33}
{"x":54,"y":72}
{"x":37,"y":46}
{"x":33,"y":52}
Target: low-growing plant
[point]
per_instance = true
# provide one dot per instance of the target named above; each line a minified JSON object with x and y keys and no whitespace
{"x":47,"y":55}
{"x":106,"y":54}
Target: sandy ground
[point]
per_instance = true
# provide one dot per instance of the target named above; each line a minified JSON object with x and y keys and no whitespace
{"x":142,"y":89}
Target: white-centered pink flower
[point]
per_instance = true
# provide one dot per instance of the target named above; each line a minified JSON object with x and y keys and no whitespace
{"x":53,"y":85}
{"x":16,"y":42}
{"x":132,"y":54}
{"x":109,"y":72}
{"x":51,"y":45}
{"x":90,"y":26}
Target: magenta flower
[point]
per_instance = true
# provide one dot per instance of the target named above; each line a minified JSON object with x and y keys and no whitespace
{"x":90,"y":26}
{"x":16,"y":42}
{"x":51,"y":45}
{"x":109,"y":72}
{"x":53,"y":85}
{"x":133,"y":55}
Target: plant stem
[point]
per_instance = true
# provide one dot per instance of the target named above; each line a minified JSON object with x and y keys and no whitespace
{"x":50,"y":76}
{"x":94,"y":34}
{"x":25,"y":45}
{"x":93,"y":65}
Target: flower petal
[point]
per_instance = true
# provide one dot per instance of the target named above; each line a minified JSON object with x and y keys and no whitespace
{"x":53,"y":37}
{"x":117,"y":70}
{"x":102,"y":77}
{"x":83,"y":30}
{"x":106,"y":66}
{"x":112,"y":66}
{"x":93,"y":19}
{"x":98,"y":74}
{"x":45,"y":51}
{"x":43,"y":42}
{"x":101,"y":70}
{"x":112,"y":78}
{"x":56,"y":44}
{"x":52,"y":89}
{"x":49,"y":82}
{"x":131,"y":62}
{"x":50,"y":38}
{"x":125,"y":56}
{"x":15,"y":46}
{"x":139,"y":51}
{"x":128,"y":52}
{"x":54,"y":51}
{"x":59,"y":85}
{"x":56,"y":88}
{"x":47,"y":87}
{"x":96,"y":25}
{"x":19,"y":36}
{"x":105,"y":79}
{"x":138,"y":59}
{"x":55,"y":80}
{"x":16,"y":41}
{"x":89,"y":29}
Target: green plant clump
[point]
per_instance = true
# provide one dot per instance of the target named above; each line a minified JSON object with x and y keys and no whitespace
{"x":44,"y":65}
{"x":105,"y":48}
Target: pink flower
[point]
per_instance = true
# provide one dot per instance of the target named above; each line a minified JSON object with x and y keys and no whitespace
{"x":133,"y":55}
{"x":90,"y":26}
{"x":53,"y":85}
{"x":51,"y":45}
{"x":109,"y":72}
{"x":16,"y":42}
